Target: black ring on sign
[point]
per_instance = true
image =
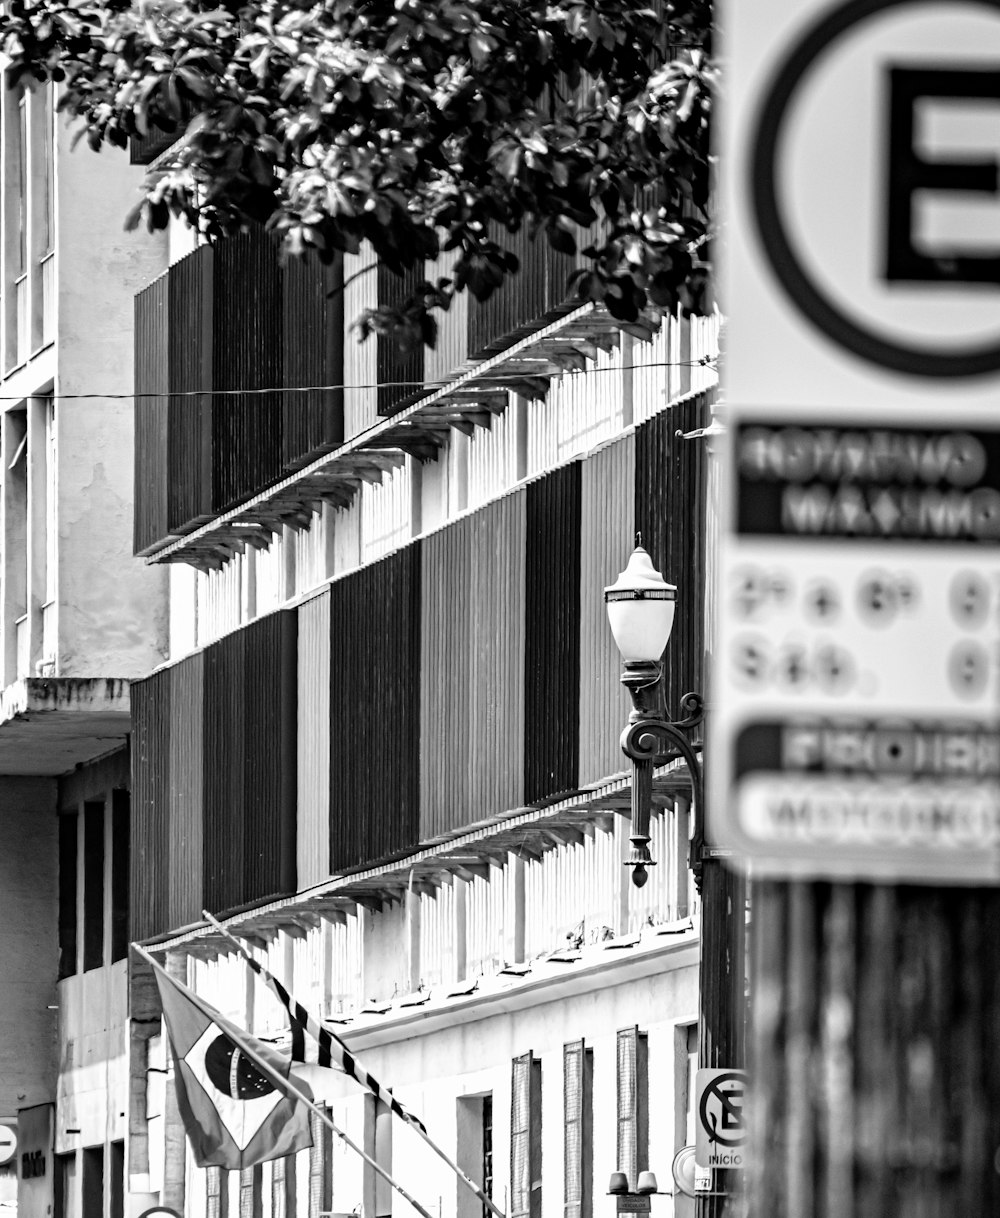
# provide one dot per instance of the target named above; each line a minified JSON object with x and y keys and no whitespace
{"x":821,"y":311}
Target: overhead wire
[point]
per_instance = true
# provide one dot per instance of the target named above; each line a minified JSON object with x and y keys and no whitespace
{"x":705,"y":361}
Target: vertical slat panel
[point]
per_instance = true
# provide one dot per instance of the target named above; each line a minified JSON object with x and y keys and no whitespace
{"x":313,"y":801}
{"x":313,"y":333}
{"x":537,"y":290}
{"x":189,"y":339}
{"x":223,"y":781}
{"x":250,"y":763}
{"x":400,"y":375}
{"x":150,"y":861}
{"x":186,"y":769}
{"x":607,"y":533}
{"x":246,"y":341}
{"x":269,"y":752}
{"x":494,"y":665}
{"x":374,"y":704}
{"x":669,"y":512}
{"x":151,"y":378}
{"x":445,"y":679}
{"x":552,"y":642}
{"x":360,"y":362}
{"x":452,"y":346}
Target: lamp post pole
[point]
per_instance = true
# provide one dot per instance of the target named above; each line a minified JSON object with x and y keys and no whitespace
{"x":640,"y":611}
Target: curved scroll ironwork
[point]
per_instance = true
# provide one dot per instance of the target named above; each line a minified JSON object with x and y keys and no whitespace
{"x":651,"y":740}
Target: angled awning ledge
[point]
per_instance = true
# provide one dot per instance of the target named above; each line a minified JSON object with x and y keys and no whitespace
{"x":49,"y":725}
{"x":477,"y":392}
{"x":525,"y":832}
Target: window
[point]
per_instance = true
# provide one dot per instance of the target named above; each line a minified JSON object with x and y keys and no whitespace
{"x":216,"y":1192}
{"x":67,"y":894}
{"x":633,"y":1104}
{"x":116,"y":1180}
{"x":93,"y":885}
{"x":283,"y":1187}
{"x":251,"y":1188}
{"x":64,"y":1200}
{"x":474,"y":1126}
{"x":119,"y":873}
{"x":93,"y":1182}
{"x":320,"y":1153}
{"x":578,"y":1119}
{"x":487,"y":1176}
{"x":526,"y":1137}
{"x":51,"y":525}
{"x":103,"y":875}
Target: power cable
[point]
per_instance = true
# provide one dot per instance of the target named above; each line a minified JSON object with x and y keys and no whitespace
{"x":706,"y":361}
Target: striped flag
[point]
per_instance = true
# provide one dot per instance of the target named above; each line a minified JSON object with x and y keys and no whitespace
{"x":334,"y":1053}
{"x":332,"y":1050}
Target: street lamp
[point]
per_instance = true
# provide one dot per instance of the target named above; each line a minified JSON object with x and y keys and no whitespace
{"x":641,"y":606}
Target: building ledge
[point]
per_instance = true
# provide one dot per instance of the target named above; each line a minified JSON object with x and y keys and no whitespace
{"x":472,"y":397}
{"x":527,"y":832}
{"x":49,"y":725}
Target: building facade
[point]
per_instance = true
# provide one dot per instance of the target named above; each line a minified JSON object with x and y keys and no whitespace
{"x":79,"y":620}
{"x":385,"y":750}
{"x":375,"y":729}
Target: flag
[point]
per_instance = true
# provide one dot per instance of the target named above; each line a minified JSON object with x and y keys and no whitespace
{"x":235,"y":1113}
{"x":333,"y":1052}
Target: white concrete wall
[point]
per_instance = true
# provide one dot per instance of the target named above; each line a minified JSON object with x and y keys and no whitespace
{"x":112,"y":607}
{"x":431,"y":1061}
{"x":28,"y":905}
{"x":93,"y":1073}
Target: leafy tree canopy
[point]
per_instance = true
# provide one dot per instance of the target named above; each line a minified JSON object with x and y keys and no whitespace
{"x":415,"y":125}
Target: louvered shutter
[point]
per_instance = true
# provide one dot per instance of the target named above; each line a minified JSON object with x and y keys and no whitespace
{"x":216,"y":1192}
{"x":526,"y":1137}
{"x":320,"y":1155}
{"x":251,"y":1189}
{"x":577,"y":1126}
{"x":633,"y":1150}
{"x":283,"y":1187}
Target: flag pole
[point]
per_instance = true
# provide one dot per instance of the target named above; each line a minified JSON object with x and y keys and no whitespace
{"x":317,"y":1032}
{"x":287,"y":1087}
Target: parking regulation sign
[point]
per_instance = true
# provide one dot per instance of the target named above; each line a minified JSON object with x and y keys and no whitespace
{"x":856,"y":701}
{"x":721,"y":1134}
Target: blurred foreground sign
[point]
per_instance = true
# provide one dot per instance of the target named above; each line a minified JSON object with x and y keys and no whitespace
{"x":856,"y":720}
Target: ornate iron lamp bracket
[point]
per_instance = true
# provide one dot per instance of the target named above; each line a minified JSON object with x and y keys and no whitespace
{"x":650,"y":740}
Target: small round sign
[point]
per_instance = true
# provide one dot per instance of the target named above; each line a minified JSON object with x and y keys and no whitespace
{"x":683,"y":1168}
{"x":8,"y":1144}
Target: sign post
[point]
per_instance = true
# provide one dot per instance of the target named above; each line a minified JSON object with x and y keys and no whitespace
{"x":854,"y":756}
{"x":857,"y":697}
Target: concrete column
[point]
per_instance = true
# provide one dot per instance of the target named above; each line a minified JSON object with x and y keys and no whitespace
{"x":514,"y":921}
{"x":174,"y":1138}
{"x":413,"y":960}
{"x":459,"y":936}
{"x":628,"y":379}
